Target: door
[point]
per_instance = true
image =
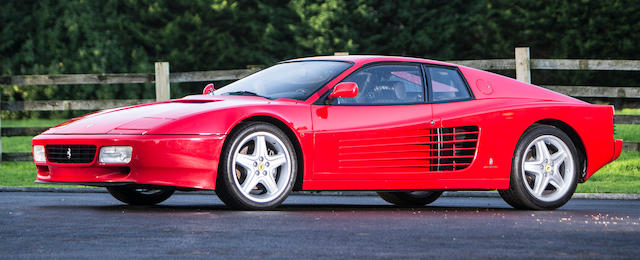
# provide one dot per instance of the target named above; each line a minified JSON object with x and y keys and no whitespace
{"x":382,"y":133}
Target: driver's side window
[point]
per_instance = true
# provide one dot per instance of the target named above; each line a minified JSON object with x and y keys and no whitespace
{"x":386,"y":85}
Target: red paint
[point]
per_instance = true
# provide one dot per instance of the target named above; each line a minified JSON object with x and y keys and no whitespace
{"x":178,"y":142}
{"x":345,"y":90}
{"x":208,"y":89}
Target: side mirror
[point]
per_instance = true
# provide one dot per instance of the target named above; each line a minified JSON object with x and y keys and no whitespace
{"x":344,"y":90}
{"x":208,"y":89}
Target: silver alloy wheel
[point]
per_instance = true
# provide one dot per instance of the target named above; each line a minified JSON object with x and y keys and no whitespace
{"x":548,"y":168}
{"x":262,"y":167}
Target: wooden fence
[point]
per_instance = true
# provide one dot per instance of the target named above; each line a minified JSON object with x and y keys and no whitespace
{"x":522,"y":64}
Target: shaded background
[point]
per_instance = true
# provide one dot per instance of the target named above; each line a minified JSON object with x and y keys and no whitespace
{"x":128,"y":36}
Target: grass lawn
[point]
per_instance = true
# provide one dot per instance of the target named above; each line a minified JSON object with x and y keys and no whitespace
{"x":628,"y":111}
{"x":32,"y":122}
{"x":621,"y":176}
{"x":22,"y":174}
{"x":629,"y":133}
{"x":16,"y":144}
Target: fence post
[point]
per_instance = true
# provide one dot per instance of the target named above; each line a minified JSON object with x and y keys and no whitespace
{"x":162,"y":81}
{"x":523,"y":64}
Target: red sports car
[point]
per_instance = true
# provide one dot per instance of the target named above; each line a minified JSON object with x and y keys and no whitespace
{"x":407,"y":128}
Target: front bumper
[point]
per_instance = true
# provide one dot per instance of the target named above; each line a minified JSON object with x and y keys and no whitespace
{"x":189,"y":161}
{"x":97,"y":184}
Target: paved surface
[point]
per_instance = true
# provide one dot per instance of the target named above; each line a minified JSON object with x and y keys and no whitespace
{"x":93,"y":225}
{"x":591,"y":196}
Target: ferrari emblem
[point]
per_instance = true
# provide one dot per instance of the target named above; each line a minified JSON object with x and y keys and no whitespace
{"x":261,"y":167}
{"x":68,"y":153}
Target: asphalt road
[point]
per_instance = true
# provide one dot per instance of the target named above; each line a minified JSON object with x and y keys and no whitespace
{"x":93,"y":225}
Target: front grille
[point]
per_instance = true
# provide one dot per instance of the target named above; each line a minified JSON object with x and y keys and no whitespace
{"x":71,"y":153}
{"x":453,"y":148}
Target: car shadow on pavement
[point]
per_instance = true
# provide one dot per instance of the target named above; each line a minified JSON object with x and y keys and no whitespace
{"x":284,"y":208}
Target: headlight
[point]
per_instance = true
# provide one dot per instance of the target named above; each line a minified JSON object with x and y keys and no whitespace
{"x":38,"y":153}
{"x":115,"y":154}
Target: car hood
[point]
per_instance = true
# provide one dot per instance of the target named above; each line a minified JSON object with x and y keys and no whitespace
{"x":140,"y":119}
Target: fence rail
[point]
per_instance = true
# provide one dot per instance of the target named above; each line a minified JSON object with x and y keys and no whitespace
{"x":124,"y":78}
{"x":594,"y":91}
{"x":553,"y":64}
{"x":62,"y":105}
{"x":522,"y":64}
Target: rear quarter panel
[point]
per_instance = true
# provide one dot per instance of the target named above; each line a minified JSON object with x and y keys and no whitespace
{"x":513,"y":106}
{"x":502,"y":123}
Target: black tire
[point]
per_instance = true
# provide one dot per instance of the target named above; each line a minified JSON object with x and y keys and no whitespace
{"x":410,"y":198}
{"x":547,"y":183}
{"x":230,"y":174}
{"x":140,"y":196}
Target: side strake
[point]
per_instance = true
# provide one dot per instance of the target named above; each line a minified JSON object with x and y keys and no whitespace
{"x":422,"y":150}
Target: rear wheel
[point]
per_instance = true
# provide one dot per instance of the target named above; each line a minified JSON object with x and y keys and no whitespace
{"x":410,"y":198}
{"x":140,"y":196}
{"x":258,"y":168}
{"x":544,"y":171}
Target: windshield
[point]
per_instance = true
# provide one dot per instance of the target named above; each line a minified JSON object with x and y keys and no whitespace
{"x":295,"y":80}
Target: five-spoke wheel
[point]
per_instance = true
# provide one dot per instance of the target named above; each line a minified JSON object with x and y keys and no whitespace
{"x":258,"y":168}
{"x":544,"y":170}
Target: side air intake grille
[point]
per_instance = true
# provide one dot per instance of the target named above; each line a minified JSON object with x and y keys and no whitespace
{"x":453,"y":148}
{"x":71,"y":153}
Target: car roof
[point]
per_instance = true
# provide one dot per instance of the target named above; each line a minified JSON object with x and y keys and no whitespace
{"x":363,"y":59}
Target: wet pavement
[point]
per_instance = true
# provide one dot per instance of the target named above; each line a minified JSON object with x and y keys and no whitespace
{"x":83,"y":225}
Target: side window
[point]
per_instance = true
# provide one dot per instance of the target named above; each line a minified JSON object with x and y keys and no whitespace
{"x":386,"y":85}
{"x":446,"y":84}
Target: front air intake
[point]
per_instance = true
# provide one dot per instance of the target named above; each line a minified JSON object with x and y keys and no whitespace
{"x":71,"y":153}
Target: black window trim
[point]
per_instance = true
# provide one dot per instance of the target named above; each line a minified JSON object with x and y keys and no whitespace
{"x":425,"y":66}
{"x":324,"y":98}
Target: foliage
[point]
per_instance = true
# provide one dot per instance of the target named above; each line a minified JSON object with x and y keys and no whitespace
{"x":117,"y":36}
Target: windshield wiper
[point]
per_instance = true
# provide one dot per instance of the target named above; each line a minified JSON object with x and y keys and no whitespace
{"x":245,"y":93}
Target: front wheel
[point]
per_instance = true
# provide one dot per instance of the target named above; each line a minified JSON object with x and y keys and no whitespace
{"x":139,"y":196}
{"x":410,"y":198}
{"x":544,"y":171}
{"x":258,"y":168}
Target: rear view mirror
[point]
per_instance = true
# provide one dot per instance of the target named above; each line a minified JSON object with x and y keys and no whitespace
{"x":208,"y":89}
{"x":344,"y":90}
